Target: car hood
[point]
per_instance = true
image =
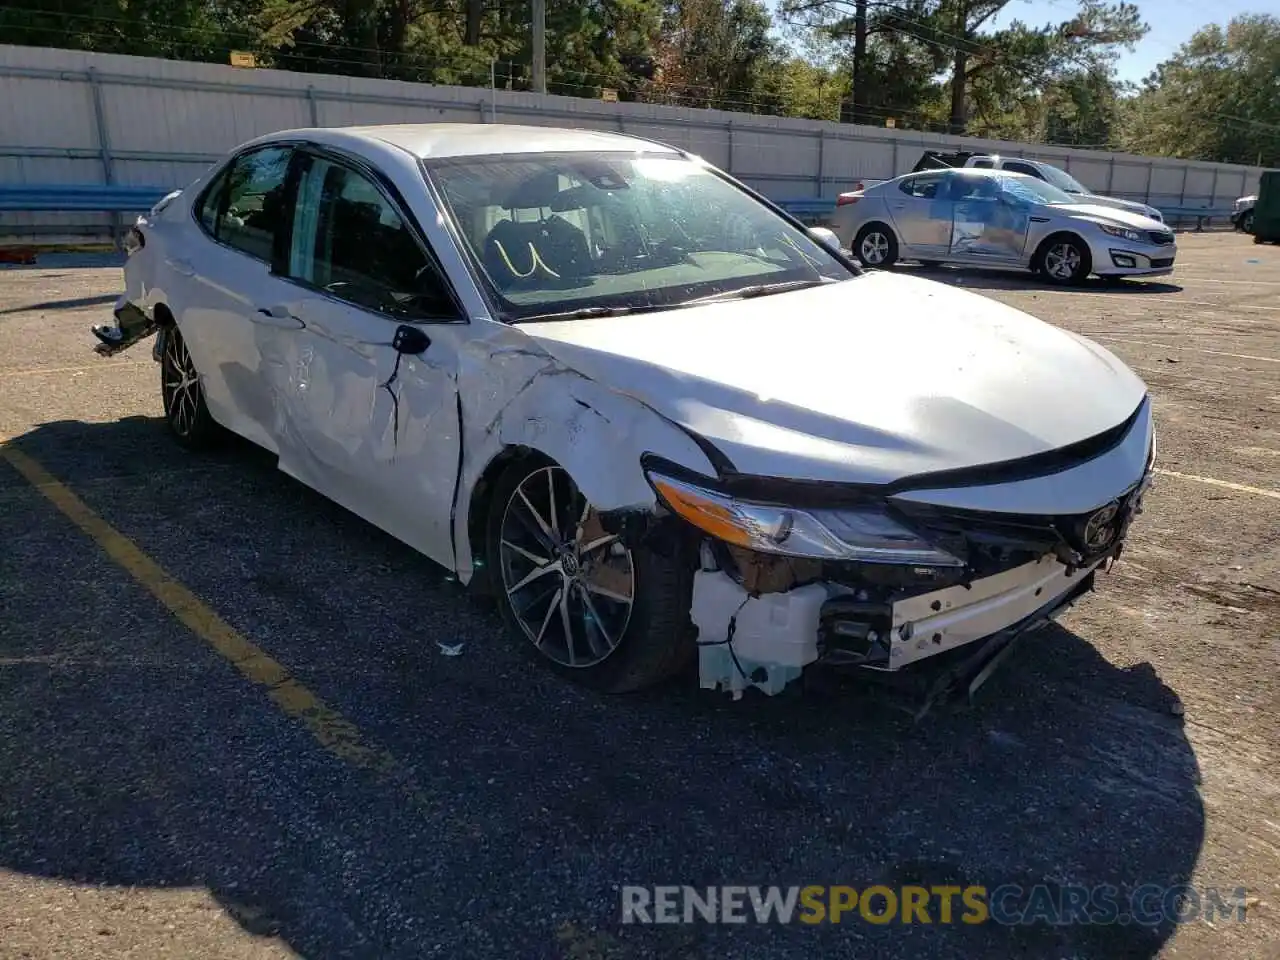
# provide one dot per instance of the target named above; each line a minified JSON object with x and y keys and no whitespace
{"x":1118,"y":215}
{"x":866,"y":381}
{"x":1115,"y":203}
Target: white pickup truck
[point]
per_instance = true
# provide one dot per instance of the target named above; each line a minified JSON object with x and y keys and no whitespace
{"x":936,"y":160}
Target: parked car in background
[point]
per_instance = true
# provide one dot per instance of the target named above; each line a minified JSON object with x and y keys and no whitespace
{"x":609,"y":383}
{"x":1242,"y":213}
{"x":933,"y":160}
{"x":993,"y":218}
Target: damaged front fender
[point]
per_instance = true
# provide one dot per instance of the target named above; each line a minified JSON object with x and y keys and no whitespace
{"x":523,"y":398}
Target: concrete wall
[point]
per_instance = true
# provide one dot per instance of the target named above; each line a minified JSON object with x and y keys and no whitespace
{"x":69,"y":117}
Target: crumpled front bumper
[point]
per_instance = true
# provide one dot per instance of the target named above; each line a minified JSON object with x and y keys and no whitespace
{"x":766,"y":640}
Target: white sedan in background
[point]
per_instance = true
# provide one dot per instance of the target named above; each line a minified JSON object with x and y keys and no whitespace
{"x":994,"y":218}
{"x":649,"y":412}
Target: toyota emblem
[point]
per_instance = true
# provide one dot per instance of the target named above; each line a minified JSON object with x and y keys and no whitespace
{"x":1099,"y":529}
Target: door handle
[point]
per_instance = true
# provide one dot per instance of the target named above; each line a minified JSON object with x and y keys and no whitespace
{"x":278,"y":317}
{"x":183,"y":267}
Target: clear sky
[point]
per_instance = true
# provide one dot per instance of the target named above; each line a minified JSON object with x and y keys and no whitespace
{"x":1172,"y":23}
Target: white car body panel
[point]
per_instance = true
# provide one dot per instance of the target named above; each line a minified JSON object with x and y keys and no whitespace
{"x":874,"y":380}
{"x":985,"y":381}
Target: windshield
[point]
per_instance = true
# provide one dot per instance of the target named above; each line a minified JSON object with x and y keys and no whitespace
{"x":1062,"y":180}
{"x":1031,"y":190}
{"x":563,"y":233}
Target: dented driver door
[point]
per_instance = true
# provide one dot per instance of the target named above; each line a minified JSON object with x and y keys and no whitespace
{"x":366,"y":417}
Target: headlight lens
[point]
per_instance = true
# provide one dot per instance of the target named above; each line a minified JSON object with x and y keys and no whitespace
{"x":865,"y":534}
{"x":1133,"y":236}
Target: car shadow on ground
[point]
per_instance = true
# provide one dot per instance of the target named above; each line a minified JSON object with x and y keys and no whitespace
{"x":134,"y":756}
{"x":69,"y":304}
{"x":975,"y":278}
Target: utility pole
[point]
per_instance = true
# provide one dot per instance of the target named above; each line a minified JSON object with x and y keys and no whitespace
{"x":859,"y":58}
{"x":958,"y":78}
{"x":539,"y":46}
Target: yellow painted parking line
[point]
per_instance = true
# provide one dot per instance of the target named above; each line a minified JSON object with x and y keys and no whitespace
{"x":1170,"y":346}
{"x":84,"y":368}
{"x":333,"y":731}
{"x":1214,"y":482}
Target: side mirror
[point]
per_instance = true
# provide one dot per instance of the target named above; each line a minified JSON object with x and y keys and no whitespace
{"x":825,"y":237}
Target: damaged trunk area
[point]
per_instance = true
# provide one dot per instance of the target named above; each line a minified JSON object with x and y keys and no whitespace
{"x":762,"y":619}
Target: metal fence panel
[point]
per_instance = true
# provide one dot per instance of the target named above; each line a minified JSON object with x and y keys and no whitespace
{"x":163,"y":121}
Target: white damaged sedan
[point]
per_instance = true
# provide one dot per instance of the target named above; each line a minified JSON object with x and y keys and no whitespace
{"x":651,"y":413}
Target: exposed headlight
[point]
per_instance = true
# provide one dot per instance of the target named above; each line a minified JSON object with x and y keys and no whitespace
{"x":1133,"y":236}
{"x":865,"y":534}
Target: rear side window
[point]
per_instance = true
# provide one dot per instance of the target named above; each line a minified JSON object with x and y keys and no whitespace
{"x":245,"y":206}
{"x":982,"y":164}
{"x":925,"y":187}
{"x":1015,"y":166}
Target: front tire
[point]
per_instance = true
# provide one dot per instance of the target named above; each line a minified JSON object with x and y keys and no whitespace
{"x":185,"y":410}
{"x":611,"y":616}
{"x":875,"y":246}
{"x":1246,"y":222}
{"x":1064,"y":260}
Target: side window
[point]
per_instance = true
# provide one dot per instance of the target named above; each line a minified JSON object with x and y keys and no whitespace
{"x":925,"y":187}
{"x":252,"y":210}
{"x":350,"y":241}
{"x":1015,"y":166}
{"x":974,"y":187}
{"x":982,"y":164}
{"x":209,"y":203}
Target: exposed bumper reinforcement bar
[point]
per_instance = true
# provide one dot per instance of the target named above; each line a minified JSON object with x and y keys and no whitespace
{"x":967,"y":675}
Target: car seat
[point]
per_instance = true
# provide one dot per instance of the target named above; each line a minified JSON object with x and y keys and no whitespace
{"x":536,"y":252}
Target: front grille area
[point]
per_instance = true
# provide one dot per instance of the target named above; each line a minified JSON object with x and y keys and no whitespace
{"x":1162,"y":261}
{"x":1161,"y":238}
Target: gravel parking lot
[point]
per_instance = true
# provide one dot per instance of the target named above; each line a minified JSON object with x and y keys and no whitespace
{"x":228,"y":728}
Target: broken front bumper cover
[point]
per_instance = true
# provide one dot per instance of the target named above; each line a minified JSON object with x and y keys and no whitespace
{"x":766,"y":641}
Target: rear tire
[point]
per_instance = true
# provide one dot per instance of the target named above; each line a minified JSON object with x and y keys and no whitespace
{"x":594,"y":637}
{"x":875,"y":246}
{"x":1064,"y":259}
{"x":185,"y":410}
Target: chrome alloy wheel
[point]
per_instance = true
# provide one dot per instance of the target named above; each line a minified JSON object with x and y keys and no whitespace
{"x":874,"y":247}
{"x":181,"y":386}
{"x":570,"y":584}
{"x":1062,"y":261}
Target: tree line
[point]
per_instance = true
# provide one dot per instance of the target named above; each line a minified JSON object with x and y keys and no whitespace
{"x":955,"y":66}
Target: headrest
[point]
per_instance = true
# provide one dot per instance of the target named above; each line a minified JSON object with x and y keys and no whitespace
{"x":539,"y":190}
{"x":575,"y":198}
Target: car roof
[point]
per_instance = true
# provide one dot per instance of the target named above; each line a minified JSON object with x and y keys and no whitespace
{"x":444,"y":140}
{"x":968,"y":172}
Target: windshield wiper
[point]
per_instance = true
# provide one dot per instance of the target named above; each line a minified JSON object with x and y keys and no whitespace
{"x":760,"y":290}
{"x":586,"y":313}
{"x":757,"y":290}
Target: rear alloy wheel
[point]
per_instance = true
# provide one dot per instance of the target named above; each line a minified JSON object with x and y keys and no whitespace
{"x":184,"y":407}
{"x":611,"y":616}
{"x":875,"y":246}
{"x":1065,"y":260}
